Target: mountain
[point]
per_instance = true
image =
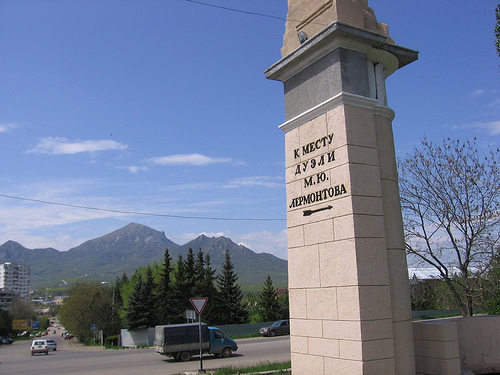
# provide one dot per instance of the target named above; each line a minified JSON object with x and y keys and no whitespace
{"x":135,"y":245}
{"x":252,"y":268}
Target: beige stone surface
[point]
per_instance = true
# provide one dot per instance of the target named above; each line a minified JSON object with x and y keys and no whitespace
{"x":360,"y":130}
{"x":307,"y":364}
{"x":312,"y":16}
{"x":295,"y":238}
{"x":375,"y":302}
{"x":379,"y":348}
{"x":341,"y":366}
{"x":322,"y":303}
{"x":342,"y":330}
{"x":349,"y":305}
{"x":303,"y":267}
{"x":318,"y":232}
{"x":306,"y":328}
{"x":298,"y":303}
{"x":365,"y":180}
{"x":348,"y":308}
{"x":352,"y":350}
{"x":324,"y":347}
{"x":383,"y":366}
{"x":377,"y":329}
{"x":299,"y":344}
{"x":336,"y":260}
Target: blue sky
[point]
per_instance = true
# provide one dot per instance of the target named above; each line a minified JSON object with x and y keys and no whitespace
{"x":161,"y":107}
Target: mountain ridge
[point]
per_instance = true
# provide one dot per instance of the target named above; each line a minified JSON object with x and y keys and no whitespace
{"x":135,"y":245}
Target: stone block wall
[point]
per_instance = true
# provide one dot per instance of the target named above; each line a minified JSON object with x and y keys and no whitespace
{"x":457,"y":346}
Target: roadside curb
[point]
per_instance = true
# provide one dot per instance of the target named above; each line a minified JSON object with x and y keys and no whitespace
{"x":285,"y":371}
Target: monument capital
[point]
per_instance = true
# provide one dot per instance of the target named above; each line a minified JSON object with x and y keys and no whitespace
{"x":308,"y":18}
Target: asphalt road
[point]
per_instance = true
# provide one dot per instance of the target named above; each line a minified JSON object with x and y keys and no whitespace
{"x":73,"y":358}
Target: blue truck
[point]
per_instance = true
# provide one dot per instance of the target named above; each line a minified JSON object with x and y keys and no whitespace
{"x":182,"y":341}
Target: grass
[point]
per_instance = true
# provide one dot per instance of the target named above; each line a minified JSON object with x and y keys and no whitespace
{"x":280,"y":367}
{"x":248,"y":336}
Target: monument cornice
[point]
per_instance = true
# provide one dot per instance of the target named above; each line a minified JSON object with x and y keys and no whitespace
{"x":343,"y":98}
{"x":337,"y":35}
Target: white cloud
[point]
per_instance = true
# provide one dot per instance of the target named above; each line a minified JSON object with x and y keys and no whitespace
{"x":5,"y":128}
{"x":265,"y":242}
{"x":187,"y":159}
{"x":134,"y":169}
{"x":493,"y":127}
{"x":478,"y":92}
{"x":264,"y":181}
{"x":61,"y":146}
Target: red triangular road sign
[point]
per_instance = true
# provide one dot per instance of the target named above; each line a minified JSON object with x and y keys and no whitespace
{"x":199,"y":303}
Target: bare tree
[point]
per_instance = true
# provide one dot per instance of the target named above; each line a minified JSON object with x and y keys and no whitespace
{"x":497,"y":29}
{"x":450,"y":195}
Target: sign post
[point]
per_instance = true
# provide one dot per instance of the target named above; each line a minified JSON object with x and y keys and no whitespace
{"x":199,"y":304}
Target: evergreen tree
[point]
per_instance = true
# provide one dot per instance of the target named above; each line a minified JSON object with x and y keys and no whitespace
{"x":119,"y":284}
{"x":199,"y":275}
{"x":164,"y":296}
{"x":206,"y":287}
{"x":134,"y":318}
{"x":190,"y":274}
{"x":181,"y":291}
{"x":229,"y":301}
{"x":140,"y":311}
{"x":268,"y":302}
{"x":149,"y":298}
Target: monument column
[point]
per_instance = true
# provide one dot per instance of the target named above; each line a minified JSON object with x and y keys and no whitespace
{"x":349,"y":296}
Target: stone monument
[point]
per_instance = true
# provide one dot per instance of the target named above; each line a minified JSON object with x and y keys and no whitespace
{"x":348,"y":280}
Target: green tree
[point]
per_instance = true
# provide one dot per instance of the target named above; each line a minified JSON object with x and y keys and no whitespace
{"x":450,"y":195}
{"x":5,"y":323}
{"x":491,"y":288}
{"x":120,"y":283}
{"x":164,"y":296}
{"x":251,"y":305}
{"x":22,"y":309}
{"x":182,"y":288}
{"x":87,"y":304}
{"x":205,"y":286}
{"x":268,"y":302}
{"x":284,"y":303}
{"x":149,"y":297}
{"x":229,"y":301}
{"x":135,"y":317}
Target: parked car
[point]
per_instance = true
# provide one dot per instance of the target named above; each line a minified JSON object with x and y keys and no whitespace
{"x":39,"y":346}
{"x":6,"y":340}
{"x":281,"y":327}
{"x":68,"y":336}
{"x":52,"y":344}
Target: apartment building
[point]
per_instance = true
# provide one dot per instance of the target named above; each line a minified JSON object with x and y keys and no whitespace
{"x":15,"y":278}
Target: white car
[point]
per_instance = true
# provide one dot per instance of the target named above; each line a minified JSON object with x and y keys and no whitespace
{"x":39,"y":346}
{"x":52,"y":344}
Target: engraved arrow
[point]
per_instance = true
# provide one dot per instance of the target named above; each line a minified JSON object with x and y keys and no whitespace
{"x":310,"y":212}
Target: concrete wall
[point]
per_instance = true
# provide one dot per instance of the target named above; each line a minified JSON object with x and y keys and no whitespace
{"x":132,"y":339}
{"x":457,"y":345}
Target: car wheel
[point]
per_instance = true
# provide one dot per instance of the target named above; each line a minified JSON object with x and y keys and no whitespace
{"x":272,"y":333}
{"x":47,"y":352}
{"x":227,"y":352}
{"x":185,"y":356}
{"x":31,"y":353}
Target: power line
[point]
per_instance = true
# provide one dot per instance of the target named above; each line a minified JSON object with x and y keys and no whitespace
{"x":248,"y":12}
{"x":136,"y":212}
{"x":236,"y":10}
